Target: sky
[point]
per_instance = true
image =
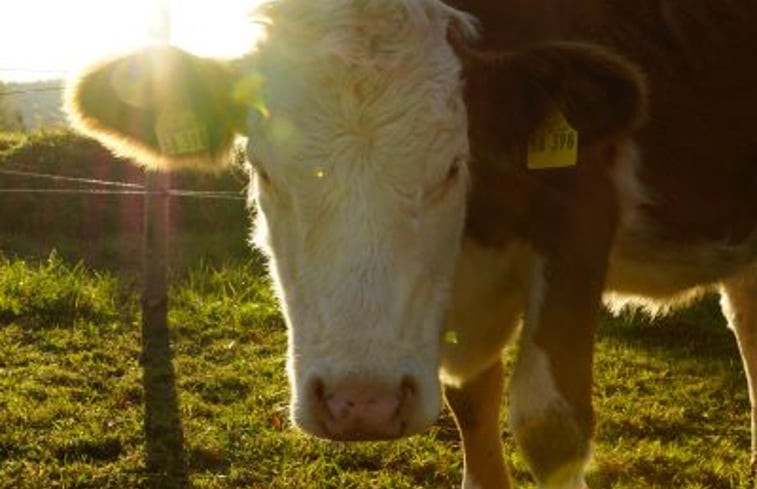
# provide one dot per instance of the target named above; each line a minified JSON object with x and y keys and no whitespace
{"x":44,"y":39}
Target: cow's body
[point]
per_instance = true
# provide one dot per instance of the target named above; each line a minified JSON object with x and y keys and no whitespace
{"x":362,"y":165}
{"x":697,"y":158}
{"x":683,"y":210}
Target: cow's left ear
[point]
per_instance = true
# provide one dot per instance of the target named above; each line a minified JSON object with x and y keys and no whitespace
{"x":601,"y":95}
{"x":164,"y":108}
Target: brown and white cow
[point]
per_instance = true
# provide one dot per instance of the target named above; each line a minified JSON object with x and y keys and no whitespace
{"x":430,"y":185}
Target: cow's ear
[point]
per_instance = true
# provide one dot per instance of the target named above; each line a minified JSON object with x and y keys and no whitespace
{"x":162,"y":107}
{"x":600,"y":94}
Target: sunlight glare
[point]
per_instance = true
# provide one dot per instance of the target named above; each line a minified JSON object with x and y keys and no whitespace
{"x":226,"y":31}
{"x":48,"y":38}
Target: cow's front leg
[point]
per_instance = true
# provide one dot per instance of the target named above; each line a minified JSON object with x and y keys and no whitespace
{"x":550,"y":391}
{"x":552,"y":429}
{"x":476,"y":405}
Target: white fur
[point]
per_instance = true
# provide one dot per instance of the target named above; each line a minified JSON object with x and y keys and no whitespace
{"x":486,"y":304}
{"x":738,"y":302}
{"x":631,"y":193}
{"x":364,"y":116}
{"x":532,"y":388}
{"x":469,"y":483}
{"x":532,"y":392}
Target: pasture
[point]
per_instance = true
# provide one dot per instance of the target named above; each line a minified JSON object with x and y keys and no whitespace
{"x":79,"y":380}
{"x":74,"y":384}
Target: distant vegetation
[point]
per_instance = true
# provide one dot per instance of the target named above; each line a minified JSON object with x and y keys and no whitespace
{"x":31,"y":105}
{"x":106,"y":230}
{"x":11,"y":118}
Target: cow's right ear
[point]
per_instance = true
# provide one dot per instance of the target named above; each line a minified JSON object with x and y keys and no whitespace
{"x":162,"y":107}
{"x":601,"y":95}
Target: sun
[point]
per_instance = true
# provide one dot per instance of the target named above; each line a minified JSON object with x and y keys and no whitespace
{"x":226,"y":31}
{"x":42,"y":38}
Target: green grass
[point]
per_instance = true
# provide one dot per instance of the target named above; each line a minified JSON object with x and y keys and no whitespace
{"x":671,"y":398}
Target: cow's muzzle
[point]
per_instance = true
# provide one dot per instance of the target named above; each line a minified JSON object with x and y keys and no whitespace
{"x":361,"y":409}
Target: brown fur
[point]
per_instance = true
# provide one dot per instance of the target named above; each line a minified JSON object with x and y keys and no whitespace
{"x":699,"y":144}
{"x":689,"y":66}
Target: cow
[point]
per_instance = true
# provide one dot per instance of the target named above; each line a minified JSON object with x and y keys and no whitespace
{"x":432,"y":180}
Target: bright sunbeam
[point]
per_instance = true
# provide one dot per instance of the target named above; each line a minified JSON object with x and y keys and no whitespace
{"x":50,"y":38}
{"x":226,"y":31}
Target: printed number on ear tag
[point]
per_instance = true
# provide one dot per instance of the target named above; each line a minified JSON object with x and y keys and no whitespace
{"x":554,"y":144}
{"x":180,"y":133}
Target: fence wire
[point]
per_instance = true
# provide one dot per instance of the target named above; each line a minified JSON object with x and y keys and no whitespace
{"x":121,"y":188}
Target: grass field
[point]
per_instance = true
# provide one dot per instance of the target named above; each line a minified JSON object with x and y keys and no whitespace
{"x":77,"y":387}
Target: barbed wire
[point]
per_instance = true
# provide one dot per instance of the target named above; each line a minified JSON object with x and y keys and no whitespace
{"x":120,"y":188}
{"x":22,"y":190}
{"x":168,"y":193}
{"x":30,"y":174}
{"x":123,"y":188}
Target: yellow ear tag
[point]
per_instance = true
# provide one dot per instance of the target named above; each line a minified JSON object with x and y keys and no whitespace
{"x":180,"y":132}
{"x":554,"y":144}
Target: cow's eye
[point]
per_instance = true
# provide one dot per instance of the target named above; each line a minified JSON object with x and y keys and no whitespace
{"x":450,"y":180}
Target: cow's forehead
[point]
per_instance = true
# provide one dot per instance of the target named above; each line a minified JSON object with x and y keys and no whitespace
{"x":352,"y":28}
{"x":355,"y":80}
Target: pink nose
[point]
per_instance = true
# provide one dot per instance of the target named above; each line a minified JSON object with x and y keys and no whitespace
{"x":362,"y":410}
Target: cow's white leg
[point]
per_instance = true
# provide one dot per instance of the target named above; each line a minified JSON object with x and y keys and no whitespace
{"x":553,"y":433}
{"x":739,"y":303}
{"x":550,"y":390}
{"x":476,"y":405}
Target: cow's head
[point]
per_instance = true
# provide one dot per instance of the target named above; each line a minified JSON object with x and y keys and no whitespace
{"x":357,"y":128}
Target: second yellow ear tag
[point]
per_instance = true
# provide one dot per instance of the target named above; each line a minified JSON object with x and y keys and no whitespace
{"x":180,"y":133}
{"x":554,"y":144}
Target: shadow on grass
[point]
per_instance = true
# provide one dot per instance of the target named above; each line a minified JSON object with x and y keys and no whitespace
{"x":166,"y":460}
{"x":698,"y":331}
{"x":683,"y":392}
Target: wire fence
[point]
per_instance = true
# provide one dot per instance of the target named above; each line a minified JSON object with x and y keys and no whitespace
{"x":88,"y":185}
{"x":107,"y":187}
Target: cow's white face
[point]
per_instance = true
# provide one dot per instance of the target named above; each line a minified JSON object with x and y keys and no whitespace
{"x":360,"y":174}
